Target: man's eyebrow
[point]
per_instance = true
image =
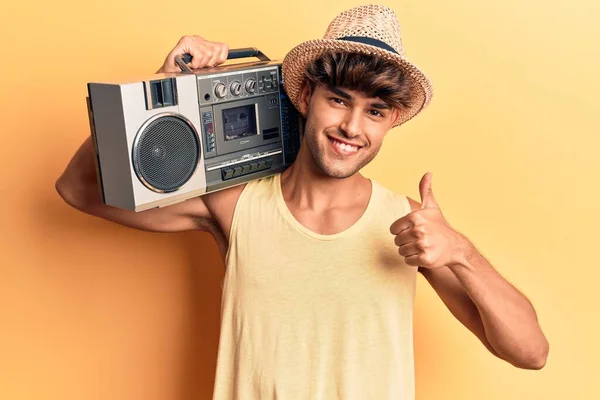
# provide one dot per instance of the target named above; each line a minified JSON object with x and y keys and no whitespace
{"x":348,"y":96}
{"x":381,"y":106}
{"x":340,"y":93}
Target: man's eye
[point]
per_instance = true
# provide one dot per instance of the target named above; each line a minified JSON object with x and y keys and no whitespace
{"x":376,"y":113}
{"x":338,"y":101}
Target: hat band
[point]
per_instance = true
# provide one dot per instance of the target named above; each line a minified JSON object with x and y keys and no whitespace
{"x":369,"y":41}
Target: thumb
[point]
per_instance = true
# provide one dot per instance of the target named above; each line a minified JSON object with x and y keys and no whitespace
{"x":427,"y":198}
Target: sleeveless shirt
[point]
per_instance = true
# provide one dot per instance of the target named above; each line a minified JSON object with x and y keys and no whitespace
{"x":312,"y":316}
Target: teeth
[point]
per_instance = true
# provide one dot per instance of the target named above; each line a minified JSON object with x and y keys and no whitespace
{"x":345,"y":147}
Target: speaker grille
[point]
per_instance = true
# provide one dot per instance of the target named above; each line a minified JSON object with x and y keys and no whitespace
{"x":166,"y":153}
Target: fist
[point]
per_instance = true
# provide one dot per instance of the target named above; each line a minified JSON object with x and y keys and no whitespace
{"x":424,"y":237}
{"x":203,"y":52}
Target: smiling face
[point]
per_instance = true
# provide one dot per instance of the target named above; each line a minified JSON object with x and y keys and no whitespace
{"x":344,"y":130}
{"x":350,"y":102}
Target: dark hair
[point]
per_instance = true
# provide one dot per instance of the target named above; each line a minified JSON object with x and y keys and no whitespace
{"x":369,"y":75}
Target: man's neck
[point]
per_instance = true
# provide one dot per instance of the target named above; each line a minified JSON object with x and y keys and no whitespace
{"x":306,"y":187}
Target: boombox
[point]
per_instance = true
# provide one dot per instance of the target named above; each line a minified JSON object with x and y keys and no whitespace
{"x":166,"y":138}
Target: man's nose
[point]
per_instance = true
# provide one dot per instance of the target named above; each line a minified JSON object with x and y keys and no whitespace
{"x":352,"y":123}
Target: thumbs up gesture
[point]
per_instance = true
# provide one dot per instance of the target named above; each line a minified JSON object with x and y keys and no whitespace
{"x":424,"y":237}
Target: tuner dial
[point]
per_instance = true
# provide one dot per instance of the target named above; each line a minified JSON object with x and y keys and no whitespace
{"x":235,"y":88}
{"x":220,"y":90}
{"x":251,"y":85}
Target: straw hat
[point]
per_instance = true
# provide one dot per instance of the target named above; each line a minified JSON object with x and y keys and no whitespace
{"x":371,"y":30}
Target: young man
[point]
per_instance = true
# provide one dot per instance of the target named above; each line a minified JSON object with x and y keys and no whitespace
{"x":321,"y":261}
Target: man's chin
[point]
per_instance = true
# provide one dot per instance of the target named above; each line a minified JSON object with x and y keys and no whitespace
{"x":337,"y":173}
{"x":333,"y":167}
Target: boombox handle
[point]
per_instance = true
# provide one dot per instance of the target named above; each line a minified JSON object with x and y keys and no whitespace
{"x":232,"y":55}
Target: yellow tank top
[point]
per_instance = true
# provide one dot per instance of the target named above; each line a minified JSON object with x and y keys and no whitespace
{"x":312,"y":316}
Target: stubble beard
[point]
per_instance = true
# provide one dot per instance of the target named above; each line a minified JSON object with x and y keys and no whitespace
{"x":335,"y":167}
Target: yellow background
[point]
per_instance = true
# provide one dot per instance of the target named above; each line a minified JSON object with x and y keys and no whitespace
{"x":91,"y":310}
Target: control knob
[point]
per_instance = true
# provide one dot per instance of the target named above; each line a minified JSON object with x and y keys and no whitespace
{"x":220,"y":90}
{"x":236,"y":88}
{"x":251,"y":85}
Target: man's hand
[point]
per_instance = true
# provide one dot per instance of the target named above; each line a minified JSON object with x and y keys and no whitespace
{"x":203,"y":52}
{"x":424,"y":237}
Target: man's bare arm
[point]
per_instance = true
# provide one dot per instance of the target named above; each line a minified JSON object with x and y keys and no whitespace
{"x":475,"y":289}
{"x":78,"y":186}
{"x":490,"y":307}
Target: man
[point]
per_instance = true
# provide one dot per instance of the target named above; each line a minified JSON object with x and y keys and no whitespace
{"x":321,"y":261}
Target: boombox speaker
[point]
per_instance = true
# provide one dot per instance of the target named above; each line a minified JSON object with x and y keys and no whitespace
{"x":166,"y":138}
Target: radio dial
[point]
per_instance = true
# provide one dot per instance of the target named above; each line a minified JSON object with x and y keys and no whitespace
{"x":236,"y":88}
{"x":251,"y":85}
{"x":220,"y":90}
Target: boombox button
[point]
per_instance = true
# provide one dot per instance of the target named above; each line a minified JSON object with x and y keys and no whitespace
{"x":245,"y":168}
{"x":237,"y":171}
{"x":253,"y":166}
{"x":262,"y":164}
{"x":227,"y":173}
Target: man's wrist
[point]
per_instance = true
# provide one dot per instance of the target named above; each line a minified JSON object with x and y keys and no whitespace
{"x":465,"y":254}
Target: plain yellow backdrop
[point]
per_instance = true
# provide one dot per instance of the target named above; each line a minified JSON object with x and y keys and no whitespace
{"x":91,"y":310}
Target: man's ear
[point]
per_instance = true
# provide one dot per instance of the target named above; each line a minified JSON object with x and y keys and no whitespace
{"x":395,"y":116}
{"x":304,"y":98}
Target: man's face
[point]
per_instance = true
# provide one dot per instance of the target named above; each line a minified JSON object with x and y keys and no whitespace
{"x":344,"y":130}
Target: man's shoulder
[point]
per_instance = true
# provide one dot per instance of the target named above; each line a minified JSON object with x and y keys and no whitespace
{"x":414,"y":205}
{"x":395,"y":195}
{"x":223,"y":200}
{"x":222,"y":203}
{"x":226,"y":199}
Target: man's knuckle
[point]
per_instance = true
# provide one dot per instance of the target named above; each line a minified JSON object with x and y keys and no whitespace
{"x":419,"y":246}
{"x":428,"y":256}
{"x":417,"y":231}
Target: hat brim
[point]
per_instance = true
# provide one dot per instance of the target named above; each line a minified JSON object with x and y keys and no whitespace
{"x":297,"y":60}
